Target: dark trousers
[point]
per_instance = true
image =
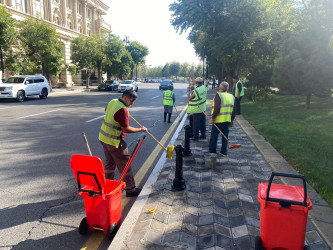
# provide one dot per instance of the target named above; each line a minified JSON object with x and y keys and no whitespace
{"x":214,"y":135}
{"x":199,"y":123}
{"x":237,"y":102}
{"x":118,"y":157}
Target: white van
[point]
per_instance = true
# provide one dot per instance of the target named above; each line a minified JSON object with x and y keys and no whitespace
{"x":22,"y":87}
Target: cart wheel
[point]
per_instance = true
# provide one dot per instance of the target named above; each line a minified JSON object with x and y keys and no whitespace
{"x":84,"y":227}
{"x":257,"y":243}
{"x":306,"y":247}
{"x":113,"y":230}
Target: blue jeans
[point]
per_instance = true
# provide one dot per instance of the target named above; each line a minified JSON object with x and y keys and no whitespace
{"x":214,"y":135}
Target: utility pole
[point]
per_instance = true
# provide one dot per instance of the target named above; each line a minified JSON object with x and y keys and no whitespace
{"x":2,"y":65}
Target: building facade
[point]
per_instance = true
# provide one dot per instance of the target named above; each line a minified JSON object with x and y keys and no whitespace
{"x":70,"y":18}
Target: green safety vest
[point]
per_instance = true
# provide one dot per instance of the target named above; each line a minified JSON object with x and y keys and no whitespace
{"x":110,"y":130}
{"x":168,"y":98}
{"x":236,"y":90}
{"x":227,"y":106}
{"x":198,"y":101}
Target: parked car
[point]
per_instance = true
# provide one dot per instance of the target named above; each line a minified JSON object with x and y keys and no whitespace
{"x":127,"y":85}
{"x":165,"y":84}
{"x":24,"y":86}
{"x":108,"y":85}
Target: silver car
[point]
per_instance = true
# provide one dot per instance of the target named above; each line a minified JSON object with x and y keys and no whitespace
{"x":128,"y":85}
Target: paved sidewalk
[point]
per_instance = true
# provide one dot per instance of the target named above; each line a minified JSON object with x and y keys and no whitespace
{"x":73,"y":88}
{"x":219,"y":208}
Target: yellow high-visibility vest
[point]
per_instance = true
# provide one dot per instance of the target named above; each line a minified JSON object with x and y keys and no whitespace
{"x":111,"y":130}
{"x":227,"y":106}
{"x":198,"y":101}
{"x":168,"y":98}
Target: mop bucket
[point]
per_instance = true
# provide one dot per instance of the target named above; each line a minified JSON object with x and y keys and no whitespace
{"x":102,"y":198}
{"x":283,"y":214}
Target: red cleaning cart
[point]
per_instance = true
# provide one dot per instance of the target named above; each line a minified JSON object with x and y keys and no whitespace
{"x":102,"y":197}
{"x":283,"y":214}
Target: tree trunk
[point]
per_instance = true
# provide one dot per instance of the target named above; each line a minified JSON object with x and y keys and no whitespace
{"x":307,"y":105}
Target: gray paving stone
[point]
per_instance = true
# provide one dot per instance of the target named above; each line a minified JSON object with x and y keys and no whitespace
{"x":252,"y":221}
{"x":190,"y":229}
{"x":244,"y":242}
{"x":235,"y":212}
{"x":237,"y":221}
{"x":220,"y":211}
{"x":192,"y":210}
{"x":206,"y":241}
{"x":319,"y":246}
{"x":153,"y":237}
{"x":157,"y":226}
{"x":313,"y":237}
{"x":222,"y":220}
{"x":224,"y":242}
{"x":206,"y":230}
{"x":253,"y":231}
{"x":239,"y":231}
{"x":205,"y":203}
{"x":163,"y":208}
{"x":206,"y":210}
{"x":219,"y":229}
{"x":171,"y":239}
{"x":206,"y":219}
{"x":160,"y":216}
{"x":193,"y":202}
{"x":188,"y":240}
{"x":190,"y":219}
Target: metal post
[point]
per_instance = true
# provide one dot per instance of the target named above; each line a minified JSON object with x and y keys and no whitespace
{"x":187,"y":150}
{"x":179,"y":182}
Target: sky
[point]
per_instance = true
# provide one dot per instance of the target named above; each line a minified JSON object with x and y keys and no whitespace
{"x":148,"y":22}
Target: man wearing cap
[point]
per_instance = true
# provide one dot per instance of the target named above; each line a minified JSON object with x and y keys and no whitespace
{"x":197,"y":104}
{"x":168,"y":102}
{"x":112,"y":134}
{"x":223,"y":115}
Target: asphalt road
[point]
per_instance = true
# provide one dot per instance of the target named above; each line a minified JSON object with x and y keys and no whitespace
{"x":40,"y":207}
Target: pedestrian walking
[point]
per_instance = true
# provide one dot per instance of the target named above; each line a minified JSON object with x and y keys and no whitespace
{"x":168,"y":102}
{"x":198,"y":99}
{"x":238,"y":92}
{"x":112,"y":134}
{"x":223,"y":115}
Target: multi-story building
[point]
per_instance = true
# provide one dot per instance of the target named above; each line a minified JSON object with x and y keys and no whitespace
{"x":70,"y":18}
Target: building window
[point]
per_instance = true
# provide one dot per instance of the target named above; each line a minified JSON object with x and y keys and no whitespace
{"x":38,"y":8}
{"x":79,"y":8}
{"x":89,"y":13}
{"x":19,"y":5}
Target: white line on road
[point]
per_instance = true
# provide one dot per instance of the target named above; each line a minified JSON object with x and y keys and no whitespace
{"x":102,"y":116}
{"x":8,"y":107}
{"x":37,"y":114}
{"x":155,"y":97}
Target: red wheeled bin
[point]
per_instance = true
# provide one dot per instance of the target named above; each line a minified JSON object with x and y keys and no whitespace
{"x":102,"y":198}
{"x":283,"y":214}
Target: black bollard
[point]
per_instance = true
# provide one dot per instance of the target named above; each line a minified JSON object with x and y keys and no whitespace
{"x":179,"y":182}
{"x":187,"y":150}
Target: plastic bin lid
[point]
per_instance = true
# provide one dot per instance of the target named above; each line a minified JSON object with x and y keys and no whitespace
{"x":279,"y":191}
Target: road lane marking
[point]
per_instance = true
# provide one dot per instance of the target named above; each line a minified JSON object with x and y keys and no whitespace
{"x":97,"y":118}
{"x":155,"y":97}
{"x":22,"y":117}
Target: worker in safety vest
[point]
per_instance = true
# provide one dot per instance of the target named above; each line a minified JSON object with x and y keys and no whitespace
{"x":198,"y":99}
{"x":112,"y":134}
{"x":223,"y":114}
{"x":168,"y":102}
{"x":238,"y":92}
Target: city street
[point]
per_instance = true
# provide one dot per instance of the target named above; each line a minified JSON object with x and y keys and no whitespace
{"x":40,"y":206}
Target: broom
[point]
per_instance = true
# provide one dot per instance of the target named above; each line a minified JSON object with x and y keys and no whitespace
{"x":170,"y":149}
{"x":231,"y":145}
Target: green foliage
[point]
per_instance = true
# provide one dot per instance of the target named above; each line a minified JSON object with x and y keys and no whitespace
{"x":138,"y":53}
{"x":40,"y":47}
{"x":7,"y":28}
{"x":305,"y":64}
{"x":255,"y":93}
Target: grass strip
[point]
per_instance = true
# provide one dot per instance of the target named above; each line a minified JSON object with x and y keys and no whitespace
{"x":303,"y":137}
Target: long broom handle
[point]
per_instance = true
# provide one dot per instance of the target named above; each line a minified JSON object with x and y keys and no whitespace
{"x":136,"y":149}
{"x":150,"y":134}
{"x":86,"y":141}
{"x":215,"y":126}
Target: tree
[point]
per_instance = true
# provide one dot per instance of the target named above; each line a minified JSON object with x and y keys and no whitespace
{"x":174,"y":69}
{"x":7,"y":33}
{"x":123,"y":67}
{"x":88,"y":53}
{"x":305,"y":65}
{"x":114,"y":51}
{"x":41,"y":46}
{"x":138,"y":53}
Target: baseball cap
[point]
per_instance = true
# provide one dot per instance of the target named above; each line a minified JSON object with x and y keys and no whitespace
{"x":198,"y":79}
